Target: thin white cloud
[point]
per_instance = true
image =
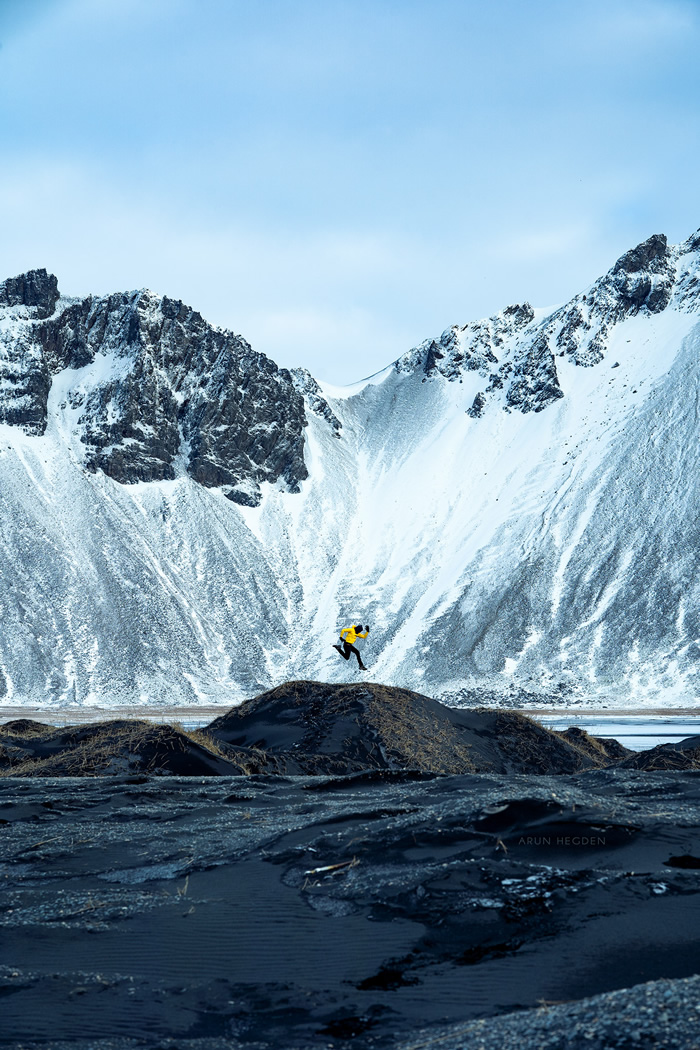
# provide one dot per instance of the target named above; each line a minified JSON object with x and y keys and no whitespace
{"x":638,"y":25}
{"x":536,"y":245}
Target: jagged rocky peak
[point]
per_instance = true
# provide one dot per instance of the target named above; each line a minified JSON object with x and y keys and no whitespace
{"x":473,"y":347}
{"x":155,"y":389}
{"x":506,"y":350}
{"x":644,"y":276}
{"x":643,"y":280}
{"x":36,"y":289}
{"x":649,"y":255}
{"x":517,"y":355}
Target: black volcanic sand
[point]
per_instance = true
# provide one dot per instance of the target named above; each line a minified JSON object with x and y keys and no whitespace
{"x":284,"y":912}
{"x":319,"y":729}
{"x":368,"y":902}
{"x":29,"y":748}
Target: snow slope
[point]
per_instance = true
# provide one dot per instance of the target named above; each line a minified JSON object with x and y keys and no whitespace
{"x":512,"y":506}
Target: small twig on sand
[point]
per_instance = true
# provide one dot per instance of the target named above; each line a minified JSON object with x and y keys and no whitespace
{"x":333,"y":867}
{"x":43,"y":842}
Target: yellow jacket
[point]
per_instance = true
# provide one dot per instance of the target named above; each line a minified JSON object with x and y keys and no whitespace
{"x":349,"y":635}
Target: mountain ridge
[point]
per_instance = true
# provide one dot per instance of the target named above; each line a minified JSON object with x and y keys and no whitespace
{"x":510,"y":505}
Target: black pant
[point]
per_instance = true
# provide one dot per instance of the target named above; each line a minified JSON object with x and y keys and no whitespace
{"x":348,"y":650}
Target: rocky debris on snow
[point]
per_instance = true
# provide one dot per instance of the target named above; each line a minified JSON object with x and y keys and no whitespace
{"x":307,"y":385}
{"x":513,"y":696}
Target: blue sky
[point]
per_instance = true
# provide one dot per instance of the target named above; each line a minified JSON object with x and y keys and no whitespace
{"x":339,"y":179}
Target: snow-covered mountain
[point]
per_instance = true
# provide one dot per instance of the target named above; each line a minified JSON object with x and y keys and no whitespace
{"x":512,"y":505}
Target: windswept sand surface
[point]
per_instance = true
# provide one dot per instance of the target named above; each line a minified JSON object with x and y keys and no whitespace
{"x":330,"y":865}
{"x":282,"y":912}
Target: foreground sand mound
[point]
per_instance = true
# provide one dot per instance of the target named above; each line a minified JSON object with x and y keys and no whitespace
{"x":105,"y":748}
{"x":681,"y":754}
{"x":313,"y":727}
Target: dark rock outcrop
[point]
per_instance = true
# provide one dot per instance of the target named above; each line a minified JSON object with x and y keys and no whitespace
{"x":646,"y":256}
{"x":160,"y":384}
{"x":534,"y":383}
{"x":36,"y":289}
{"x":598,"y":748}
{"x":477,"y":407}
{"x":681,"y":754}
{"x":643,"y":276}
{"x":25,"y":382}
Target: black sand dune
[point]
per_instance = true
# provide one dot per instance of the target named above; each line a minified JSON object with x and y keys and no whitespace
{"x":680,"y":754}
{"x":385,"y":865}
{"x":107,"y":748}
{"x":311,"y":728}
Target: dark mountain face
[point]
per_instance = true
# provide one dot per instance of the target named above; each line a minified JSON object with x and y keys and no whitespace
{"x":160,"y":383}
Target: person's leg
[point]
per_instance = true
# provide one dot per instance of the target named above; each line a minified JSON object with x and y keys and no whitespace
{"x":347,"y":650}
{"x":358,"y":655}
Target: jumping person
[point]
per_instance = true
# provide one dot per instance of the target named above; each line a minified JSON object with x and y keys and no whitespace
{"x":348,"y":637}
